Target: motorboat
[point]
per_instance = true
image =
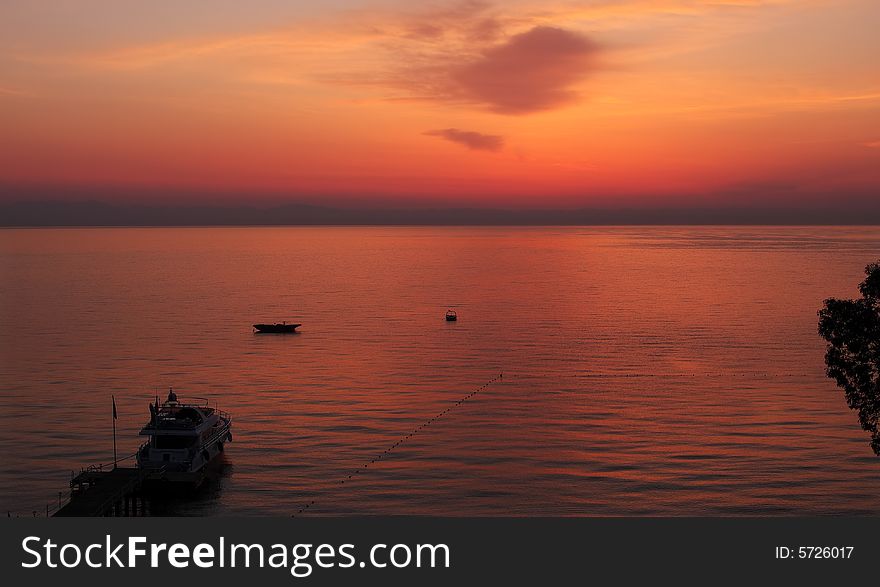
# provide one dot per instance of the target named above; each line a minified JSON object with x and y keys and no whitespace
{"x":277,"y":328}
{"x":184,"y":439}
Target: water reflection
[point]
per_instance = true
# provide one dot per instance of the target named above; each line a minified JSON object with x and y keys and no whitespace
{"x":647,"y":371}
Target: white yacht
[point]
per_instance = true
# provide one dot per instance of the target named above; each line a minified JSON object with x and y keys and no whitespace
{"x":184,"y":439}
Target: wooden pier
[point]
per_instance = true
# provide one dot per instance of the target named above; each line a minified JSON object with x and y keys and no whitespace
{"x":110,"y":492}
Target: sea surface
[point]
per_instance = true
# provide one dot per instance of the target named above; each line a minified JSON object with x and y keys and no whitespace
{"x":646,"y":370}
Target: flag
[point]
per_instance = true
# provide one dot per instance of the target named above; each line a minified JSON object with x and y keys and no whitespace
{"x":114,"y":407}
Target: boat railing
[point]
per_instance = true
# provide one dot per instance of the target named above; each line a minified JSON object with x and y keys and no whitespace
{"x":174,"y":424}
{"x":216,"y":437}
{"x":201,"y":402}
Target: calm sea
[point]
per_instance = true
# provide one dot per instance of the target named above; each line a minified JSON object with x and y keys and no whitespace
{"x":647,"y":371}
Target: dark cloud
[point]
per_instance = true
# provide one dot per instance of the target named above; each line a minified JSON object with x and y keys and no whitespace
{"x":470,"y":139}
{"x":531,"y":71}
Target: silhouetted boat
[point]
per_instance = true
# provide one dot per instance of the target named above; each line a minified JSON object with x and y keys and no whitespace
{"x":275,"y":328}
{"x":184,"y":438}
{"x":451,"y":316}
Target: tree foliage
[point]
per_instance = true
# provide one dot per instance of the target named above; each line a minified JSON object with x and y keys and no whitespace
{"x":852,"y":357}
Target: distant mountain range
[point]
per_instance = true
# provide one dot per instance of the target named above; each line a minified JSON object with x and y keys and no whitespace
{"x":101,"y":213}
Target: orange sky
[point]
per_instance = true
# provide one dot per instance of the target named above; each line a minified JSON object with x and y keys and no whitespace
{"x":513,"y":103}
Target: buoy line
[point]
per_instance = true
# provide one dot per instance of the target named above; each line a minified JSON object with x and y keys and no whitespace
{"x":406,"y":437}
{"x":682,"y":375}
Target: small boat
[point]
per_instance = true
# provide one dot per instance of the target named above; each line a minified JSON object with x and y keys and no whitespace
{"x":184,"y":439}
{"x":451,"y":316}
{"x":276,"y":328}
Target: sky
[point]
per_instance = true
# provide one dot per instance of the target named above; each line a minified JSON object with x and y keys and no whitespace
{"x":514,"y":104}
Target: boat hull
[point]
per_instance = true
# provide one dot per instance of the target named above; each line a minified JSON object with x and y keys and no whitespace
{"x":276,"y":328}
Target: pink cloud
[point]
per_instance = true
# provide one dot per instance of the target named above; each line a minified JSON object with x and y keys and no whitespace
{"x":470,"y":139}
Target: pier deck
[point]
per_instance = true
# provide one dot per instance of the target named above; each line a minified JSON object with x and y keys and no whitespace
{"x":104,"y":492}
